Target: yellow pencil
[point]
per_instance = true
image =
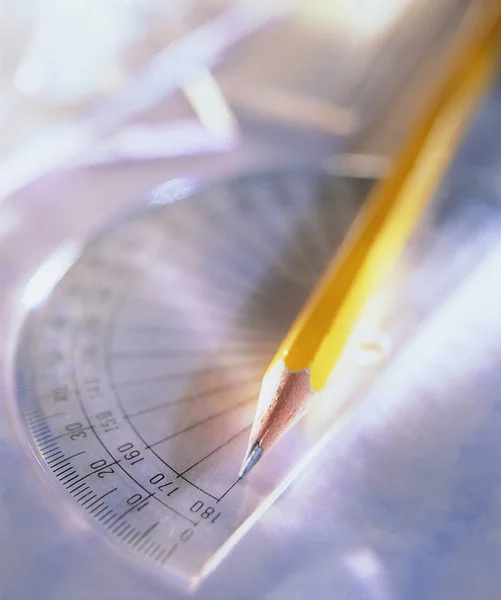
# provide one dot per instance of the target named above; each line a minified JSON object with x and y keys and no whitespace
{"x":313,"y":345}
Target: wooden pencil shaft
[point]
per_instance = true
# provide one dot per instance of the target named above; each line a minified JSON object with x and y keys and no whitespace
{"x":380,"y":232}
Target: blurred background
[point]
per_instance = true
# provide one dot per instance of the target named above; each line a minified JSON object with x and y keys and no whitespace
{"x":90,"y":82}
{"x":97,"y":80}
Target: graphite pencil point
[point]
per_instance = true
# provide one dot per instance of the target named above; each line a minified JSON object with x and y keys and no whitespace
{"x":251,"y":459}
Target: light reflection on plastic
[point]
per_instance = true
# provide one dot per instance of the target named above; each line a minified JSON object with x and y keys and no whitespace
{"x":367,"y":568}
{"x":363,"y":563}
{"x":371,"y":349}
{"x":51,"y":271}
{"x":210,"y":105}
{"x":173,"y":190}
{"x":359,"y":20}
{"x":9,"y":220}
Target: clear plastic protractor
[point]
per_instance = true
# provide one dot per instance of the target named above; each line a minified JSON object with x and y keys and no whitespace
{"x":138,"y":373}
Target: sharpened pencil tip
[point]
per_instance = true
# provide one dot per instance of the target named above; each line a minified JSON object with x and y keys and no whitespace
{"x":251,"y":459}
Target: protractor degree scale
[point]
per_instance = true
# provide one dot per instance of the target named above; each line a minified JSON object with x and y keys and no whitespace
{"x":137,"y":374}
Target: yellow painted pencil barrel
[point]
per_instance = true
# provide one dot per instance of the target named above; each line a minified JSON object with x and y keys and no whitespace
{"x":320,"y":332}
{"x":316,"y":340}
